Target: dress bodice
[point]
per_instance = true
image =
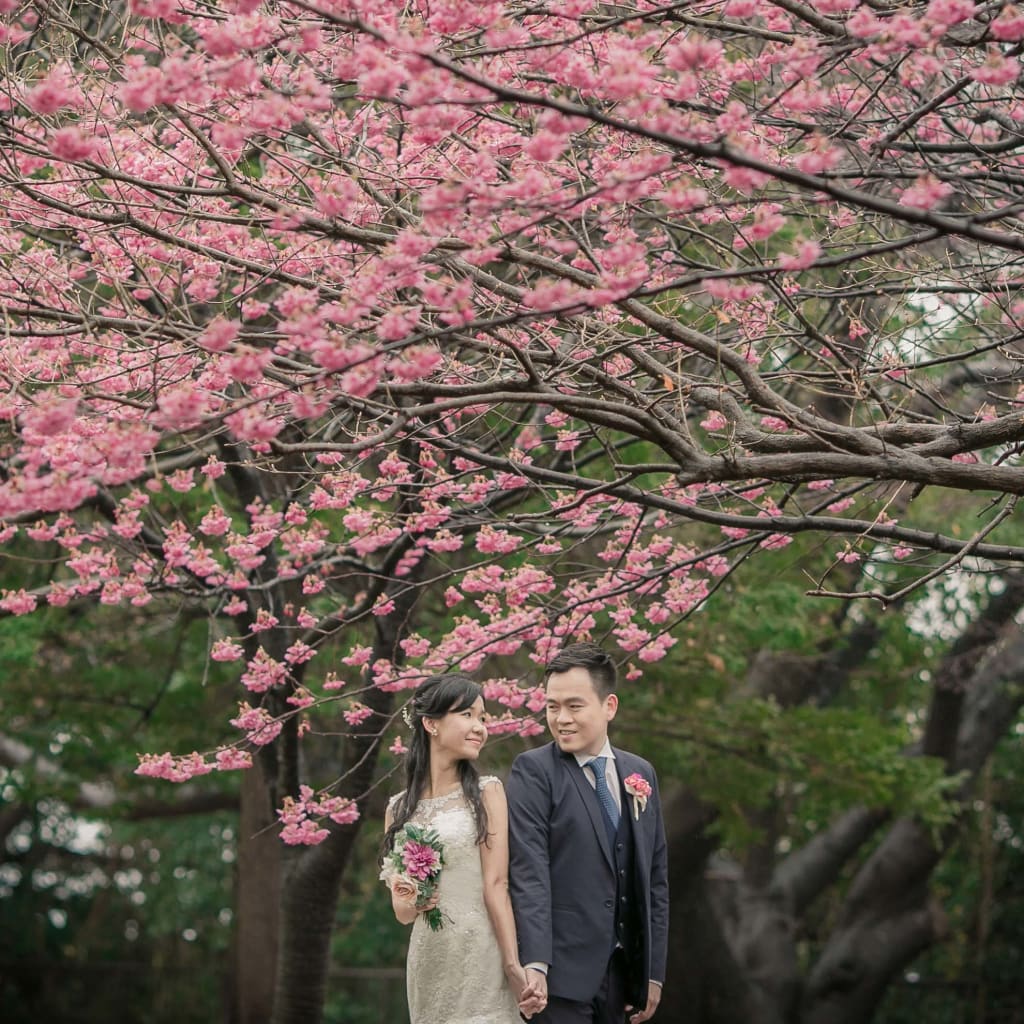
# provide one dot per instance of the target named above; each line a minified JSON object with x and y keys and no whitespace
{"x":460,"y":887}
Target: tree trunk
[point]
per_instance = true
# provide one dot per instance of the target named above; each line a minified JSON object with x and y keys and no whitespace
{"x":887,"y":920}
{"x":748,"y":968}
{"x":889,"y":916}
{"x":257,"y":924}
{"x":312,"y":875}
{"x":704,"y":984}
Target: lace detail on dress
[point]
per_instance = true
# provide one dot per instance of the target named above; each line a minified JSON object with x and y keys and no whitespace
{"x":455,"y":976}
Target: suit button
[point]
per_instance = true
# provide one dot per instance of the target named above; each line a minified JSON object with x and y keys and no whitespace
{"x":622,"y":872}
{"x":619,"y":847}
{"x":622,"y":900}
{"x":608,"y":904}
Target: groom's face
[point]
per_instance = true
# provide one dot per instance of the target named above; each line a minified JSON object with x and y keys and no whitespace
{"x":577,"y":716}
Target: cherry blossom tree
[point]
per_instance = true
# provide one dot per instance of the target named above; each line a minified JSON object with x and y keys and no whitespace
{"x":538,"y":318}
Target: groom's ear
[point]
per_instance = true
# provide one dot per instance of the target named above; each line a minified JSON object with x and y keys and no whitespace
{"x":611,"y":705}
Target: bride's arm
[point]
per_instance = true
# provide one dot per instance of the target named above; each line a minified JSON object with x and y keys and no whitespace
{"x":494,"y":863}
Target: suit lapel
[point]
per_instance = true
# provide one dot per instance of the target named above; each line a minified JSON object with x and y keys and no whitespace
{"x":591,"y":803}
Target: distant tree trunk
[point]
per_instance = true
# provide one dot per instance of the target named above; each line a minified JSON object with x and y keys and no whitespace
{"x":312,"y":876}
{"x":257,"y":921}
{"x":704,"y":982}
{"x":889,"y":919}
{"x":889,"y":916}
{"x":735,"y":927}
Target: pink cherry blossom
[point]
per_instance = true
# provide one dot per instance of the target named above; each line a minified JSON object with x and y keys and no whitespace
{"x":996,"y":71}
{"x":949,"y":12}
{"x":303,"y":833}
{"x":357,"y":713}
{"x":259,"y":725}
{"x":926,"y":192}
{"x":50,"y":418}
{"x":72,"y":144}
{"x":17,"y":602}
{"x":807,"y":252}
{"x":263,"y":672}
{"x":445,"y":284}
{"x":1008,"y":26}
{"x":55,"y":92}
{"x":232,"y":759}
{"x":226,"y":650}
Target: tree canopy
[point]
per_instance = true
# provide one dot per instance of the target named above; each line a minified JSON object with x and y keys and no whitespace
{"x":333,"y":299}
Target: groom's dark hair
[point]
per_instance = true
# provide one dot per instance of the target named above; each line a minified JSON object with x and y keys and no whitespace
{"x":588,"y":656}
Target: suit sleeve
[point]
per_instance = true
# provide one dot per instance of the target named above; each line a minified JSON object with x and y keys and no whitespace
{"x":529,"y":814}
{"x":659,"y":892}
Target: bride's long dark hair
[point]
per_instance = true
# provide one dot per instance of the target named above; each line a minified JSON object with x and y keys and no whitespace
{"x":434,"y":698}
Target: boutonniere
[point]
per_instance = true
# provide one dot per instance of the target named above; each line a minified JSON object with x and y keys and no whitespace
{"x":639,"y":789}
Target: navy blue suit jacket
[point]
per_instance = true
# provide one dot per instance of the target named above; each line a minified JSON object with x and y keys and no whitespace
{"x":562,"y":878}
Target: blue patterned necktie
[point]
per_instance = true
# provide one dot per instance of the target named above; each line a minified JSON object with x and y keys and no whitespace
{"x":604,"y":794}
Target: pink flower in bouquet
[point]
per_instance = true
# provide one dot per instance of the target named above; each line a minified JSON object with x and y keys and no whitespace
{"x":420,"y":861}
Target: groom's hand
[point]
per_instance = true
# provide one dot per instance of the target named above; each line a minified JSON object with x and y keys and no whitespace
{"x":653,"y":998}
{"x":535,"y":996}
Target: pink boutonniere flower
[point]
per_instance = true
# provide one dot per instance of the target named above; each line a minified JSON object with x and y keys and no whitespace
{"x":639,"y":789}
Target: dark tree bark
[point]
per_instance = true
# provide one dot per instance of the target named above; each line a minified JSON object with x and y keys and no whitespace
{"x":735,"y":927}
{"x":889,"y":915}
{"x":312,"y":876}
{"x":257,"y":923}
{"x":704,"y":982}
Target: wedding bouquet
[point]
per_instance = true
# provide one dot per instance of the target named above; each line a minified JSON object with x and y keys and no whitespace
{"x":413,"y":867}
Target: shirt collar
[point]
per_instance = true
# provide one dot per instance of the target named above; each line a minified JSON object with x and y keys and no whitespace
{"x":605,"y":751}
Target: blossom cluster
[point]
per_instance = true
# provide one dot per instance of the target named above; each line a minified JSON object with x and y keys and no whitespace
{"x":303,"y":818}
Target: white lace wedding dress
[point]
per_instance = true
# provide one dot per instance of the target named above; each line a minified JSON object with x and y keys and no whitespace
{"x":454,"y":975}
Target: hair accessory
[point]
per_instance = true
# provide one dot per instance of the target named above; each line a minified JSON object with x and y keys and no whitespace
{"x":407,"y":715}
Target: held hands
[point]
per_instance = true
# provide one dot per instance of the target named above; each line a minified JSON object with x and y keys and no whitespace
{"x":530,"y":989}
{"x":653,"y":998}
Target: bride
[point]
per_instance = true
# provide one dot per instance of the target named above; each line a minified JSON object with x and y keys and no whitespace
{"x":468,"y":971}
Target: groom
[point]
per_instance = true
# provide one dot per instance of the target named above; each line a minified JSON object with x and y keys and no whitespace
{"x":588,"y":869}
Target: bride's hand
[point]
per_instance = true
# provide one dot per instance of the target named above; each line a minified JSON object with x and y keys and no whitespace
{"x":516,"y":977}
{"x":405,"y":893}
{"x":517,"y":982}
{"x":422,"y":908}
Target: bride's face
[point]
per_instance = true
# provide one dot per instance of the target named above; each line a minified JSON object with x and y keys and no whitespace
{"x":460,"y":733}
